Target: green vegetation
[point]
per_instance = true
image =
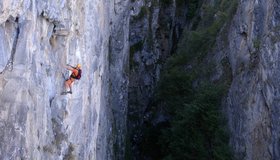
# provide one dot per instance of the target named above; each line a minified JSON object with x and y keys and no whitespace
{"x":141,"y":14}
{"x":257,"y":43}
{"x":194,"y":127}
{"x":196,"y":43}
{"x":166,"y":2}
{"x":133,"y":49}
{"x":193,"y":5}
{"x":197,"y":129}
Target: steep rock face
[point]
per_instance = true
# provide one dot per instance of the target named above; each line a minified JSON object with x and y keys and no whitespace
{"x":37,"y":39}
{"x":247,"y":54}
{"x":155,"y":27}
{"x":253,"y":99}
{"x":118,"y":74}
{"x":250,"y":54}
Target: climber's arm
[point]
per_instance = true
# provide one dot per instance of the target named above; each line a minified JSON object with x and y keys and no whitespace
{"x":69,"y":67}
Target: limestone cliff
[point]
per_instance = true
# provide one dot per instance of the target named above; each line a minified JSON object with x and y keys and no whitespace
{"x":155,"y":27}
{"x":122,"y":45}
{"x":248,"y":47}
{"x":37,"y":39}
{"x":253,"y":98}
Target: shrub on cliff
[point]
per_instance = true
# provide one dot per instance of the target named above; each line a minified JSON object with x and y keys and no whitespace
{"x":197,"y":130}
{"x":194,"y":126}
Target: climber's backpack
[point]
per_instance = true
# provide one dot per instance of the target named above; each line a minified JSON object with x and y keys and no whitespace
{"x":78,"y":76}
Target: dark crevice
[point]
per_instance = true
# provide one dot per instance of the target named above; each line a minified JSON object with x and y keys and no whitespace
{"x":244,"y":34}
{"x":51,"y":100}
{"x":9,"y":65}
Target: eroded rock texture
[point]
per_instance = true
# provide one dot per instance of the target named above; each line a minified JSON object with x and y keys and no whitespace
{"x":155,"y":27}
{"x":121,"y":58}
{"x":39,"y":37}
{"x":253,"y":100}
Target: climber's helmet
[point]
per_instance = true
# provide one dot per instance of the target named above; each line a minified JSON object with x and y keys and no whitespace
{"x":78,"y":66}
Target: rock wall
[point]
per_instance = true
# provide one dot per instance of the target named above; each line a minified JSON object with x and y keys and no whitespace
{"x":37,"y":39}
{"x":248,"y":55}
{"x":154,"y":31}
{"x":252,"y":105}
{"x":118,"y":73}
{"x":121,"y":58}
{"x":155,"y":27}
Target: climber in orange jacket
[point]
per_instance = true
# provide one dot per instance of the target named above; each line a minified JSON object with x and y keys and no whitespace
{"x":76,"y":74}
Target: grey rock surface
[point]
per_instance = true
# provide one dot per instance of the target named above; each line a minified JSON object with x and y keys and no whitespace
{"x":37,"y":38}
{"x":252,"y":104}
{"x":118,"y":59}
{"x":155,"y":28}
{"x":249,"y":56}
{"x":121,"y":59}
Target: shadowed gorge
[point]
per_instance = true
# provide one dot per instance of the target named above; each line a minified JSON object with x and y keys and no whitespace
{"x":161,"y":79}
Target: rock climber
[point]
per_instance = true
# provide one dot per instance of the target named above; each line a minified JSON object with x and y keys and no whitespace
{"x":76,"y":74}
